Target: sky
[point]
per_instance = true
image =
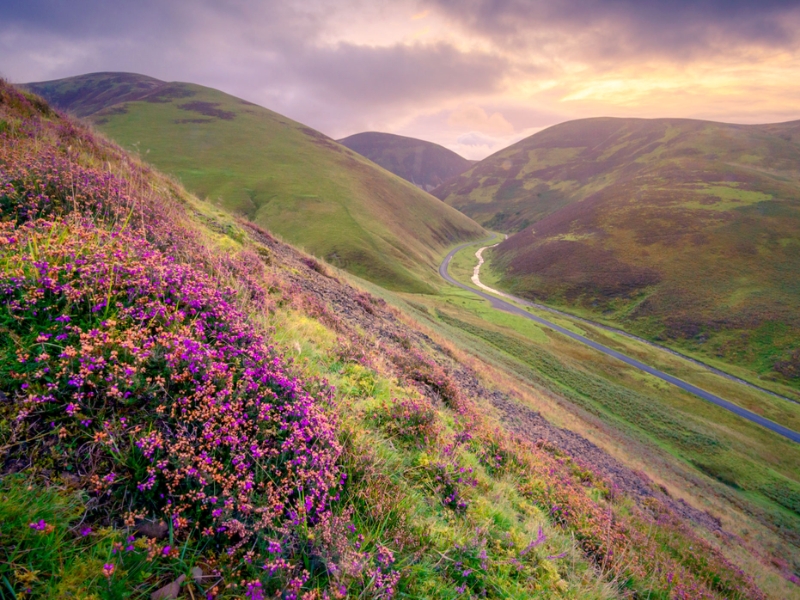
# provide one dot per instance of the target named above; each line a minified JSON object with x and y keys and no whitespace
{"x":472,"y":75}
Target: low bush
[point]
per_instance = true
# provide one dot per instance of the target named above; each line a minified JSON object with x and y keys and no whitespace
{"x":410,"y":420}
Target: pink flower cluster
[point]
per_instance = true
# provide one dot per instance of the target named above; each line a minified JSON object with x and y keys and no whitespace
{"x":411,"y":420}
{"x":139,"y":374}
{"x":223,"y":438}
{"x":132,"y":368}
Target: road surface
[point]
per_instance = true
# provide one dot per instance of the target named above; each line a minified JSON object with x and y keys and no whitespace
{"x":500,"y":304}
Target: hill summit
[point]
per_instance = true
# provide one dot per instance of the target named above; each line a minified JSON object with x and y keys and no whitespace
{"x":275,"y":172}
{"x":425,"y":164}
{"x":680,"y":230}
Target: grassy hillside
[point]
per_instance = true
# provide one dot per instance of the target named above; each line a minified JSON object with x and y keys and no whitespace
{"x":189,"y":405}
{"x":274,"y":171}
{"x":425,"y":164}
{"x":683,"y":231}
{"x":702,"y":439}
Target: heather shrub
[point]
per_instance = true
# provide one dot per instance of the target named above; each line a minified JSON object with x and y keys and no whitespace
{"x":137,"y":395}
{"x":410,"y":420}
{"x":246,"y":269}
{"x":138,"y":378}
{"x":316,"y":309}
{"x":347,"y":351}
{"x":476,"y":565}
{"x":20,"y":103}
{"x":368,"y":302}
{"x":418,"y":367}
{"x":448,"y":480}
{"x":316,"y":266}
{"x":137,"y":375}
{"x":47,"y":182}
{"x":493,"y":455}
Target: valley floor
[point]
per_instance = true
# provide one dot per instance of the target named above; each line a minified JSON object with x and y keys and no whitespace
{"x":639,"y":421}
{"x":501,"y":304}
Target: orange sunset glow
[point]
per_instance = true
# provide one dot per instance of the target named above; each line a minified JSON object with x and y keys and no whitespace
{"x":473,"y":76}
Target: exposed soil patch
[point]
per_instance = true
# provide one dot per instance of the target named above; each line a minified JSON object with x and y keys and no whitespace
{"x":169,"y":93}
{"x":208,"y":109}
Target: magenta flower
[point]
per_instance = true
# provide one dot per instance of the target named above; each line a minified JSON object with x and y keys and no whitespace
{"x":40,"y":525}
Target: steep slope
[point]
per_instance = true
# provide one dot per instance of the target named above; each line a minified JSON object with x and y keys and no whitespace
{"x":189,"y":407}
{"x":425,"y":164}
{"x":276,"y":172}
{"x":681,"y":230}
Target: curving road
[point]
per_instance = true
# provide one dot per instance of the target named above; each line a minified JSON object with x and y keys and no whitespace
{"x":476,"y":280}
{"x":714,"y":399}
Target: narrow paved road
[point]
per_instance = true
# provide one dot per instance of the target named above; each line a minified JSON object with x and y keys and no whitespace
{"x":516,"y":310}
{"x":476,"y":280}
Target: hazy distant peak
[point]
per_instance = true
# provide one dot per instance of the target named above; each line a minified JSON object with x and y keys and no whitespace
{"x":425,"y":164}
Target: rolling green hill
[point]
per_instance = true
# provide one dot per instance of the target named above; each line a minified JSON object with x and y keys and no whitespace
{"x":683,"y":231}
{"x":425,"y":164}
{"x":191,"y":408}
{"x":278,"y":173}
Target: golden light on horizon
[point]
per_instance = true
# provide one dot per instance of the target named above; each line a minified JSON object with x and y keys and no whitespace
{"x":412,"y":66}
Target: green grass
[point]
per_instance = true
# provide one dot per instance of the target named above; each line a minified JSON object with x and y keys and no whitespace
{"x":458,"y":511}
{"x":679,"y":231}
{"x":741,"y":464}
{"x":776,"y":409}
{"x":66,"y":559}
{"x":770,"y":340}
{"x":284,"y":176}
{"x":724,"y":197}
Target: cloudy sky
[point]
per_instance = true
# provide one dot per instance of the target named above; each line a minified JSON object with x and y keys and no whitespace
{"x":473,"y":75}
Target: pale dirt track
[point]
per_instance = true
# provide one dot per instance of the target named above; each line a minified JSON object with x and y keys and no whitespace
{"x":503,"y":305}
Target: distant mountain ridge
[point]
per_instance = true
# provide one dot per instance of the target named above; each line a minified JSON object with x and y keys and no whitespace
{"x":425,"y":164}
{"x":285,"y":176}
{"x":678,"y":229}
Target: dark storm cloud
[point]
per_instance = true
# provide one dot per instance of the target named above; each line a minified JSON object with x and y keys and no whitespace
{"x":676,"y":29}
{"x":81,"y":17}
